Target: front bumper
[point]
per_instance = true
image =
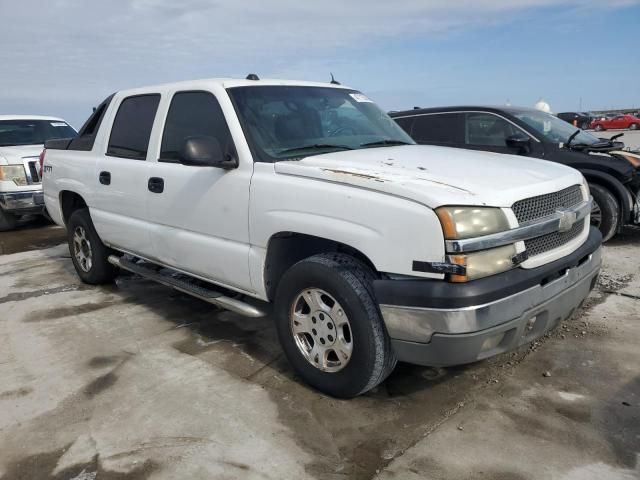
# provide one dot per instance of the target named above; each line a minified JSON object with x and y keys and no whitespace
{"x":426,"y":331}
{"x":22,"y":203}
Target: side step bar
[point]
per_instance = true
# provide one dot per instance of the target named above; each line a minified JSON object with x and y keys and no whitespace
{"x":203,"y":293}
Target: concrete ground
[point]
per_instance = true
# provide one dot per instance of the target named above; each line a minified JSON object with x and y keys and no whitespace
{"x":136,"y":381}
{"x":631,"y":138}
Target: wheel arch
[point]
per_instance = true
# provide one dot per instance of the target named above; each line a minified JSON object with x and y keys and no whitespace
{"x":286,"y":248}
{"x":619,"y":191}
{"x":70,"y":201}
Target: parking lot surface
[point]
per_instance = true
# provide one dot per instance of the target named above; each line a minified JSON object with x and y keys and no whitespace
{"x":135,"y":381}
{"x":631,"y":138}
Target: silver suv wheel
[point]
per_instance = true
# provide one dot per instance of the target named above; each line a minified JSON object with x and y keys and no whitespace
{"x":82,"y":249}
{"x":321,"y":330}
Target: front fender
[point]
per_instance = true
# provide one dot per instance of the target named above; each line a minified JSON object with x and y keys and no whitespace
{"x":390,"y":231}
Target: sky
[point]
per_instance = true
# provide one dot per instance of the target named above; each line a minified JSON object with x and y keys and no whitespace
{"x":62,"y":57}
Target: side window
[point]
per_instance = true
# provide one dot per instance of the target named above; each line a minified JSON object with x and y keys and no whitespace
{"x":440,"y":129}
{"x":486,"y":129}
{"x":132,"y":127}
{"x":194,"y":114}
{"x":87,"y":135}
{"x":406,"y":123}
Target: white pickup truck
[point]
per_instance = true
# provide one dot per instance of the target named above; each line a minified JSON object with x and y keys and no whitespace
{"x":307,"y":196}
{"x":21,"y":140}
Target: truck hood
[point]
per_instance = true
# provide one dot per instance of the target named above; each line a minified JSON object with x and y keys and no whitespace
{"x":16,"y":154}
{"x":436,"y":176}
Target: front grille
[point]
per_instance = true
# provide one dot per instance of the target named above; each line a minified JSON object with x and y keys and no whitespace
{"x":536,"y":208}
{"x":542,"y":206}
{"x":550,"y":241}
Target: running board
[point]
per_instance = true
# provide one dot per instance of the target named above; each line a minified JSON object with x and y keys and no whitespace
{"x":190,"y":288}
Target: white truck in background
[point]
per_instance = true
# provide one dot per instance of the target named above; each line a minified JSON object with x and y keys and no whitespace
{"x":246,"y":193}
{"x":22,"y":139}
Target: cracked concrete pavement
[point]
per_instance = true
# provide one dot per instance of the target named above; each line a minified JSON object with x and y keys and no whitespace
{"x":135,"y":381}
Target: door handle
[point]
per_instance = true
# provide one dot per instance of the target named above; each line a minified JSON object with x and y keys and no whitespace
{"x":156,"y":185}
{"x":105,"y":178}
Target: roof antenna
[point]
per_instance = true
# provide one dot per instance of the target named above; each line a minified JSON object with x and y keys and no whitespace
{"x":252,"y":76}
{"x":333,"y":80}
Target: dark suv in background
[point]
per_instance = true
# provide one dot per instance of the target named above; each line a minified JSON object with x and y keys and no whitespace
{"x":579,"y":119}
{"x":613,"y":177}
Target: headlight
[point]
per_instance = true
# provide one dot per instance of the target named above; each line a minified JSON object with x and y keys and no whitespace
{"x":13,"y":173}
{"x":467,"y":222}
{"x":484,"y":263}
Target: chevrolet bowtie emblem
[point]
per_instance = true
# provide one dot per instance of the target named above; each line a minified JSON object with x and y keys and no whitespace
{"x":567,"y":219}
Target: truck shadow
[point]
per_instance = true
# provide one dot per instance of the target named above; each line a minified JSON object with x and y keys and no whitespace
{"x":364,"y":433}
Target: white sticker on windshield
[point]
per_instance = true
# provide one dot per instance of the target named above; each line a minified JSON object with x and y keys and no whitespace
{"x":58,"y":124}
{"x":360,"y":97}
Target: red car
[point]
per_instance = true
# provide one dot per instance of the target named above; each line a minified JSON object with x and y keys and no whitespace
{"x":619,"y":121}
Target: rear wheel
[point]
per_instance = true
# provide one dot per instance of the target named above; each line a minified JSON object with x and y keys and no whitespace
{"x":634,"y":126}
{"x":88,"y":254}
{"x":8,"y":221}
{"x":330,"y":326}
{"x":605,"y":213}
{"x":599,"y":128}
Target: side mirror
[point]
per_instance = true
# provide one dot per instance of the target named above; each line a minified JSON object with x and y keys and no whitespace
{"x":519,"y":142}
{"x":202,"y":151}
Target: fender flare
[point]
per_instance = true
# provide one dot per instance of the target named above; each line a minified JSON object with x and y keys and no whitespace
{"x":617,"y":188}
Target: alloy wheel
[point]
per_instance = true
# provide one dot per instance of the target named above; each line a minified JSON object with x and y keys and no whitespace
{"x":596,"y":214}
{"x":321,"y":330}
{"x":82,"y":249}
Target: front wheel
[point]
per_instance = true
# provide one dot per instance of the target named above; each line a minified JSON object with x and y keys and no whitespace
{"x":330,"y":326}
{"x":605,"y":213}
{"x":634,"y":126}
{"x":599,"y":128}
{"x":88,"y":254}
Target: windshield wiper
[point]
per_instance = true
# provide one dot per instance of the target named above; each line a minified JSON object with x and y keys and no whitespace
{"x":386,"y":141}
{"x":573,"y":135}
{"x":315,"y":146}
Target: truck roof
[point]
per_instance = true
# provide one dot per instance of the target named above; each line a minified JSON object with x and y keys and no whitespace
{"x":31,"y":117}
{"x":230,"y":83}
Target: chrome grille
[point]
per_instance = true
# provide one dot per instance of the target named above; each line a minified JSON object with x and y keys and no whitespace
{"x":550,"y":241}
{"x":544,"y":205}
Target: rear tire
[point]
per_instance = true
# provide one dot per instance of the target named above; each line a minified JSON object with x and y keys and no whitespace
{"x":606,"y":211}
{"x":634,"y":126}
{"x":599,"y":128}
{"x":8,"y":221}
{"x":344,"y":369}
{"x":88,"y":254}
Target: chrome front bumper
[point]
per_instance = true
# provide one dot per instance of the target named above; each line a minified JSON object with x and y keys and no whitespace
{"x":441,"y":337}
{"x":31,"y":201}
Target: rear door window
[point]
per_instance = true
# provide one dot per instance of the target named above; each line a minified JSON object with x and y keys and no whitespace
{"x":194,"y":113}
{"x":438,"y":129}
{"x":132,"y":127}
{"x":406,"y":123}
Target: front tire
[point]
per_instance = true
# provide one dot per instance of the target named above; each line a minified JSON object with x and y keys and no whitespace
{"x":634,"y":126}
{"x":599,"y":128}
{"x":8,"y":221}
{"x":327,"y":293}
{"x":88,"y":254}
{"x":605,"y":214}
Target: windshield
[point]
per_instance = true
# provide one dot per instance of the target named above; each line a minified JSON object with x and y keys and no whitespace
{"x":285,"y":122}
{"x":32,"y":132}
{"x":554,"y":129}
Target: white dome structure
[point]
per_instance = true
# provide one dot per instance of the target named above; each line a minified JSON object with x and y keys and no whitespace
{"x":543,"y":106}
